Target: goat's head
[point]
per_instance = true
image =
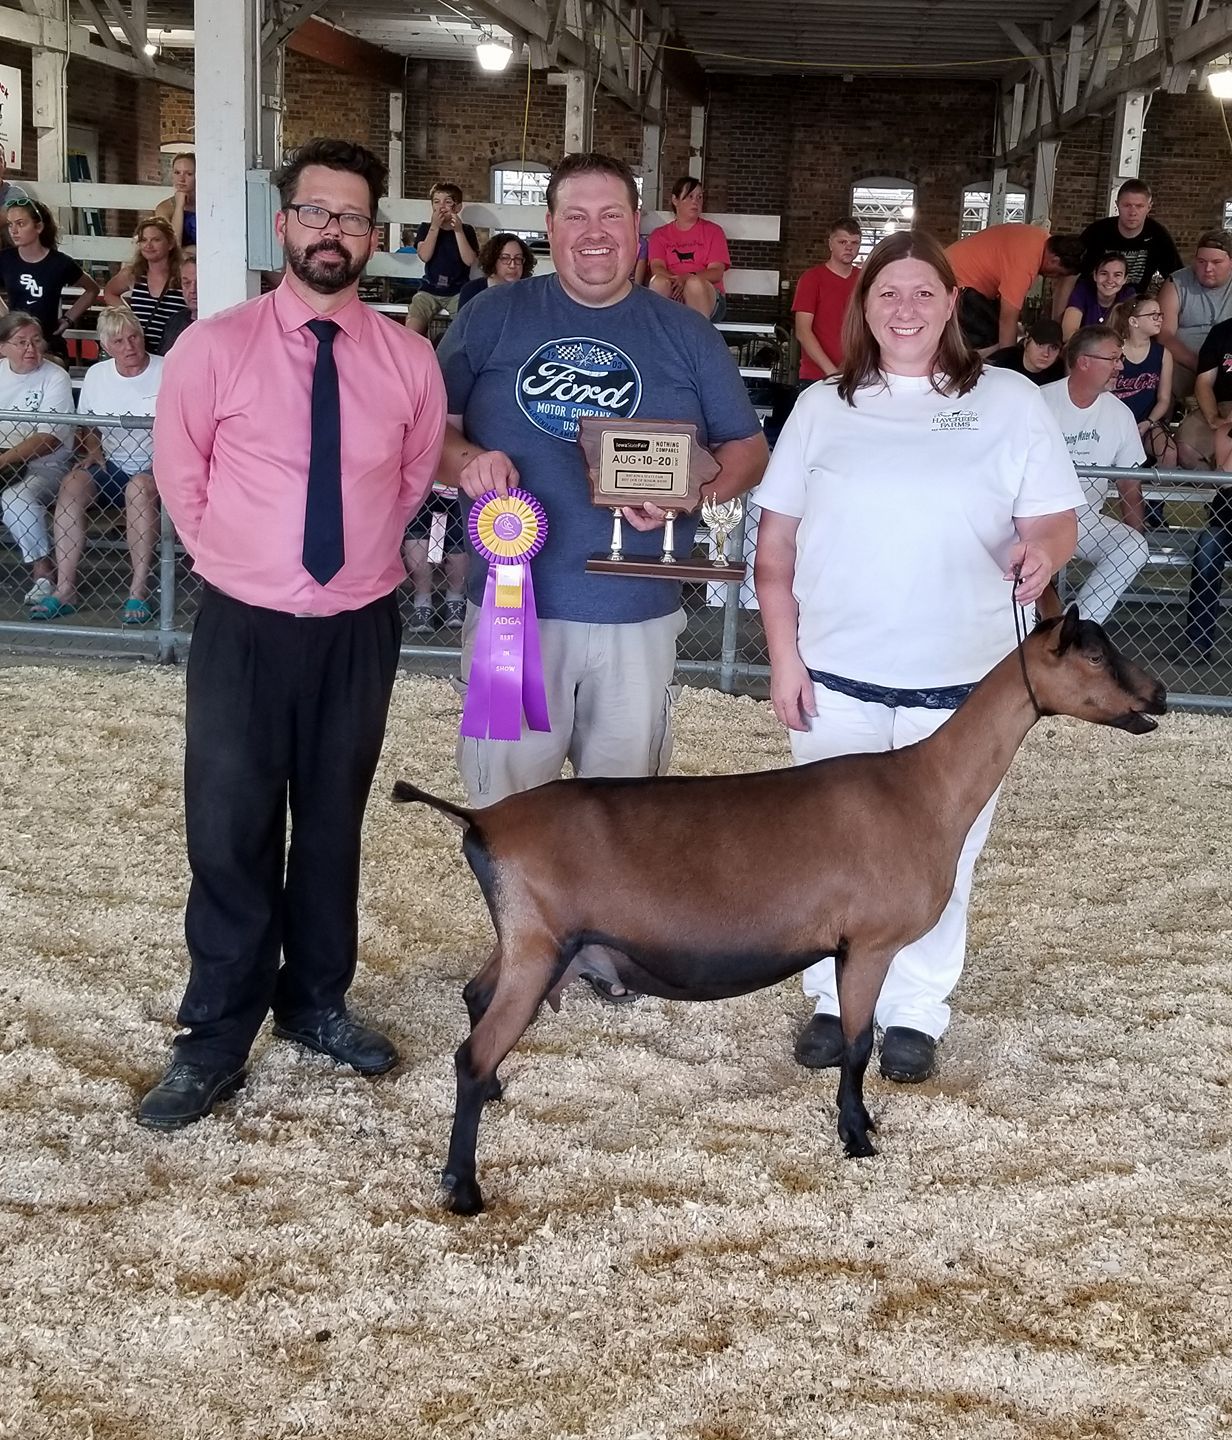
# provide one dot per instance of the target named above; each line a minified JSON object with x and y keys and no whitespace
{"x":1076,"y":670}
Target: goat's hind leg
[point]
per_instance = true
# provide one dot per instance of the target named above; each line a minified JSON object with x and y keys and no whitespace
{"x":861,"y":973}
{"x":522,"y":983}
{"x":477,"y":996}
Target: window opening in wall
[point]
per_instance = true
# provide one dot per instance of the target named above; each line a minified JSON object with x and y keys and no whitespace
{"x":977,"y":201}
{"x":882,"y":206}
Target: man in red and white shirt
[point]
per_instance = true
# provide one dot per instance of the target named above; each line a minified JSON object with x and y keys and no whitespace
{"x":295,"y":436}
{"x":821,"y":300}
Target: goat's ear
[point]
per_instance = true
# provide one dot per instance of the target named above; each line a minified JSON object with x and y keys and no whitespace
{"x":1069,"y":630}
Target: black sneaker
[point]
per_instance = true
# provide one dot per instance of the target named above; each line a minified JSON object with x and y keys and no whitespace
{"x":819,"y":1046}
{"x":335,"y":1034}
{"x":907,"y":1056}
{"x":186,"y":1093}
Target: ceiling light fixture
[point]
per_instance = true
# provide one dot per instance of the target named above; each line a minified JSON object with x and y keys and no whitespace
{"x":493,"y":54}
{"x":1220,"y":82}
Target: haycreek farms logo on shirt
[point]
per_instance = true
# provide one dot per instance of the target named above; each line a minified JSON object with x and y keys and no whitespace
{"x":955,"y":420}
{"x":566,"y":379}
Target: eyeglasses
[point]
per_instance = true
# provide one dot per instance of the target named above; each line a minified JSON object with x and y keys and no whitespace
{"x":1149,"y":315}
{"x":315,"y":217}
{"x":510,"y":260}
{"x":1107,"y":359}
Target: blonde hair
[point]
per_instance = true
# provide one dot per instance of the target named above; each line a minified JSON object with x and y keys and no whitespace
{"x":114,"y":321}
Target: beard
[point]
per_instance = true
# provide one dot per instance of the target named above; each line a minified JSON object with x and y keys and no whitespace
{"x":324,"y":279}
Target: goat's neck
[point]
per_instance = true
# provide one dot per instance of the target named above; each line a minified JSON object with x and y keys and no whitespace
{"x":970,"y":754}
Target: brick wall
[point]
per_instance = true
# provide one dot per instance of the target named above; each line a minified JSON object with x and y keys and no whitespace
{"x":176,"y":124}
{"x":322,"y":101}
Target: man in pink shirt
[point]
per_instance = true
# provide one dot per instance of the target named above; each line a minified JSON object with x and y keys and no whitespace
{"x":821,"y":303}
{"x":294,"y":437}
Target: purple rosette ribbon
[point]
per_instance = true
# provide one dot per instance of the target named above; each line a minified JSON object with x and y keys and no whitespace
{"x":506,"y":676}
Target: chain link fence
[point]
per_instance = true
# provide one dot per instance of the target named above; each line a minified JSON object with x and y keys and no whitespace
{"x":89,"y":564}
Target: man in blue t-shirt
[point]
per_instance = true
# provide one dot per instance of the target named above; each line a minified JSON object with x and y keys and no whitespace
{"x":522,"y":364}
{"x":448,"y":249}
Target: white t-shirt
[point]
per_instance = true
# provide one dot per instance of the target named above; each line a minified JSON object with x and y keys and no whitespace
{"x":906,"y":504}
{"x":47,"y":388}
{"x":105,"y":391}
{"x":1105,"y":433}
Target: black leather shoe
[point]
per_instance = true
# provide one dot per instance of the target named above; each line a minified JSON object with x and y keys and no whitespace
{"x":334,"y":1033}
{"x":186,"y":1093}
{"x":820,"y":1044}
{"x":907,"y":1056}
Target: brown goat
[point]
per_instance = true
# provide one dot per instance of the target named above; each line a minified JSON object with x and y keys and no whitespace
{"x":714,"y":886}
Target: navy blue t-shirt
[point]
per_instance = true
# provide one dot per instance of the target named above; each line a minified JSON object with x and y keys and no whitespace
{"x":523,"y":363}
{"x":446,"y":272}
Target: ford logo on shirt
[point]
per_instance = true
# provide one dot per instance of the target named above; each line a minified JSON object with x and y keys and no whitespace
{"x":566,"y":379}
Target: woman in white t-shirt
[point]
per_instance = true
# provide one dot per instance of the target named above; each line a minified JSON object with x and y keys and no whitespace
{"x":33,"y":457}
{"x":900,"y":498}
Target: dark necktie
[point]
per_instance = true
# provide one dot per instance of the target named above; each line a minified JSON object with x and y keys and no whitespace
{"x":323,"y":550}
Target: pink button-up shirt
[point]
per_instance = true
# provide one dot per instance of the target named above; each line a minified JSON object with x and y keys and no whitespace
{"x":231,"y":438}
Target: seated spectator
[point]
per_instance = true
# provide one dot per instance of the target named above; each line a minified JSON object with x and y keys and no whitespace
{"x":642,"y":265}
{"x":1212,"y":393}
{"x":502,"y":259}
{"x":34,"y":273}
{"x":1091,"y":299}
{"x":820,"y":303}
{"x":1038,"y":357}
{"x":1149,"y":250}
{"x":180,"y":320}
{"x":179,"y":209}
{"x":1211,"y":552}
{"x":448,"y":249}
{"x":117,"y":468}
{"x":150,"y":283}
{"x":1144,"y":382}
{"x":33,"y":457}
{"x":415,"y":544}
{"x":10,"y":192}
{"x":995,"y":269}
{"x":1100,"y":430}
{"x":1193,"y":301}
{"x":688,"y":256}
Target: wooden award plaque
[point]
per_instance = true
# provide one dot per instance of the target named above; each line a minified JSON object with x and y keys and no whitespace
{"x":656,"y":462}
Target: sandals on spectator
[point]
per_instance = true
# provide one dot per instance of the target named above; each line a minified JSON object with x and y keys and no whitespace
{"x":136,"y":612}
{"x":51,"y":607}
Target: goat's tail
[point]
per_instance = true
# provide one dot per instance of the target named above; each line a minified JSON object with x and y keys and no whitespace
{"x":404,"y":791}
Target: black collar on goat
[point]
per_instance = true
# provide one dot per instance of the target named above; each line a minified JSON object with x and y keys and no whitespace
{"x":715,"y":886}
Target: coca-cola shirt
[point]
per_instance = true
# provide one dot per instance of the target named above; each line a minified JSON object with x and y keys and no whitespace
{"x":523,"y":363}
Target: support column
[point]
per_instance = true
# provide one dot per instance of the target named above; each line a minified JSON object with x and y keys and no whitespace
{"x":1126,"y":154}
{"x":996,"y":200}
{"x":48,"y":113}
{"x":225,"y":101}
{"x":697,"y":142}
{"x":579,"y":111}
{"x":1045,"y":181}
{"x":396,"y":168}
{"x":652,"y":144}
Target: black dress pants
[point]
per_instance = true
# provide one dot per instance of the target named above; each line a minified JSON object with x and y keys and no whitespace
{"x":281,"y":712}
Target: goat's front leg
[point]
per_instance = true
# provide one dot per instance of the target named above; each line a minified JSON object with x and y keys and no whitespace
{"x":526,"y":975}
{"x":860,"y":973}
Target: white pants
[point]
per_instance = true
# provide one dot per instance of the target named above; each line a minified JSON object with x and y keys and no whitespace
{"x":1116,"y":554}
{"x":24,"y":505}
{"x":925,"y":972}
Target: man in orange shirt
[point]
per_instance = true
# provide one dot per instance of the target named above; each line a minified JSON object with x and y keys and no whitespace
{"x":996,"y":267}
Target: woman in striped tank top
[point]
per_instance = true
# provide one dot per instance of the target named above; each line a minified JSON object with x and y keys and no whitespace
{"x":150,"y":282}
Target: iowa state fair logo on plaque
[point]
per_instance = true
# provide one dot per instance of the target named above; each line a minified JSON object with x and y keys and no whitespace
{"x":566,"y":379}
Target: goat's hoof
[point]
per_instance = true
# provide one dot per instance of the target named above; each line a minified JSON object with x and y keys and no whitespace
{"x":462,"y":1196}
{"x":495,"y":1091}
{"x":857,"y":1145}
